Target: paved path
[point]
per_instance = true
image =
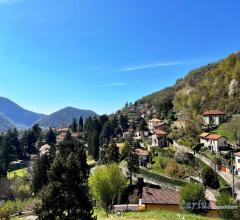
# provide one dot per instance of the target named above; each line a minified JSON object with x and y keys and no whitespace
{"x":226,"y":176}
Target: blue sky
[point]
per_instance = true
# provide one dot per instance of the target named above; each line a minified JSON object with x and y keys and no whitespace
{"x":98,"y":54}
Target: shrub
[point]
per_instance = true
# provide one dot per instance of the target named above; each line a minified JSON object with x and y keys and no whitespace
{"x":210,"y":178}
{"x":224,"y":200}
{"x":184,"y":158}
{"x":173,"y":169}
{"x":192,"y":197}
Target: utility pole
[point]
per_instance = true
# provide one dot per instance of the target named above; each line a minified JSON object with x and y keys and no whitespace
{"x":233,"y":168}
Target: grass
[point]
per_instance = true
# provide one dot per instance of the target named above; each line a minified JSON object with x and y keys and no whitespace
{"x":152,"y":215}
{"x":17,"y":173}
{"x":147,"y":215}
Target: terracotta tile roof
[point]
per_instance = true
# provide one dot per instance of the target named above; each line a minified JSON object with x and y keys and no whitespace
{"x":154,"y":120}
{"x":213,"y":112}
{"x":160,"y":132}
{"x":204,"y":135}
{"x":141,"y":152}
{"x":160,"y":196}
{"x":214,"y":136}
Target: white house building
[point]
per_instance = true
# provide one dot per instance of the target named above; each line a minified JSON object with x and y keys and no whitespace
{"x":213,"y":117}
{"x":159,"y":138}
{"x":44,"y":150}
{"x":237,"y":162}
{"x":214,"y":142}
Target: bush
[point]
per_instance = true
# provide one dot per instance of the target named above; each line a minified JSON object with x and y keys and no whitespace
{"x":224,"y":200}
{"x":184,"y":158}
{"x":192,"y":197}
{"x":210,"y":178}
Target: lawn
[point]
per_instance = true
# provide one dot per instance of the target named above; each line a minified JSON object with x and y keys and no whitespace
{"x":20,"y":173}
{"x":147,"y":215}
{"x":152,"y":215}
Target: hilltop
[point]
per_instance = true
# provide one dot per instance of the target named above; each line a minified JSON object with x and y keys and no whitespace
{"x":214,"y":86}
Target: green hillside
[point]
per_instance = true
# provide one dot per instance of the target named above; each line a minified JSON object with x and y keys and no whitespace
{"x":214,"y":86}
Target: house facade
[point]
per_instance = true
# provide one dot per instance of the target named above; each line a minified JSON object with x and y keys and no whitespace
{"x":237,"y":162}
{"x":159,"y":138}
{"x":153,"y":123}
{"x":143,"y":156}
{"x":214,"y":117}
{"x":214,"y":142}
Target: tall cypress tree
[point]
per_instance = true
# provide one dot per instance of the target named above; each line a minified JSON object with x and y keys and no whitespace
{"x":80,"y":124}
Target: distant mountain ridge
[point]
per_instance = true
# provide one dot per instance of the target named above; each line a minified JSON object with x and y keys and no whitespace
{"x":64,"y":117}
{"x":5,"y":124}
{"x":17,"y":115}
{"x":14,"y":116}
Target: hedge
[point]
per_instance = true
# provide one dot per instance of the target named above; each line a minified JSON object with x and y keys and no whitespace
{"x":161,"y":178}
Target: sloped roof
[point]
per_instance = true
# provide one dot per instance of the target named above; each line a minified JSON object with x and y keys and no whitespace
{"x":213,"y":112}
{"x":160,"y":196}
{"x":204,"y":135}
{"x":160,"y":132}
{"x":155,"y":120}
{"x":214,"y":136}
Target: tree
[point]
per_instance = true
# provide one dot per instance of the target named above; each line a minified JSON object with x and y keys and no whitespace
{"x":113,"y":153}
{"x":225,"y":199}
{"x":93,"y":144}
{"x":80,"y":124}
{"x":107,"y":132}
{"x":132,"y":159}
{"x":51,"y":140}
{"x":40,"y":173}
{"x":74,"y":125}
{"x":37,"y":131}
{"x":107,"y":183}
{"x":28,"y":142}
{"x":67,"y":195}
{"x":123,"y":121}
{"x":51,"y":137}
{"x":234,"y":128}
{"x":210,"y":178}
{"x":192,"y":198}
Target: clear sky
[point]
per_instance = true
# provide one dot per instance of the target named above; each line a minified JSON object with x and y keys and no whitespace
{"x":98,"y":54}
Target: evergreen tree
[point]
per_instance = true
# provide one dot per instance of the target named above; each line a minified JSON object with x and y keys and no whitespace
{"x":113,"y":153}
{"x":74,"y":125}
{"x":51,"y":137}
{"x":132,"y":159}
{"x":40,"y":173}
{"x":123,"y":121}
{"x":80,"y":125}
{"x":107,"y":132}
{"x":37,"y":131}
{"x":67,"y":195}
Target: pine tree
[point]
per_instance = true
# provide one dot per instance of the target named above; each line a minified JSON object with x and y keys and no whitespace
{"x":80,"y":125}
{"x":67,"y":195}
{"x":74,"y":125}
{"x":40,"y":173}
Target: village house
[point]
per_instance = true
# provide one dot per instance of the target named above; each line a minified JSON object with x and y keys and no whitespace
{"x":164,"y":199}
{"x":214,"y":142}
{"x":163,"y":126}
{"x":159,"y":138}
{"x":237,"y":162}
{"x":44,"y":150}
{"x":213,"y":117}
{"x":153,"y":123}
{"x":143,"y":156}
{"x":181,"y":124}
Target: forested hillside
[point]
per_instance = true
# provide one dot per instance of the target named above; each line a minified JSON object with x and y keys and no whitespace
{"x":214,"y":86}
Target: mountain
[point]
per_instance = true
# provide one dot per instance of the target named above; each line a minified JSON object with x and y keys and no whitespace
{"x":214,"y":86}
{"x":5,"y":124}
{"x":64,"y":117}
{"x":17,"y":115}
